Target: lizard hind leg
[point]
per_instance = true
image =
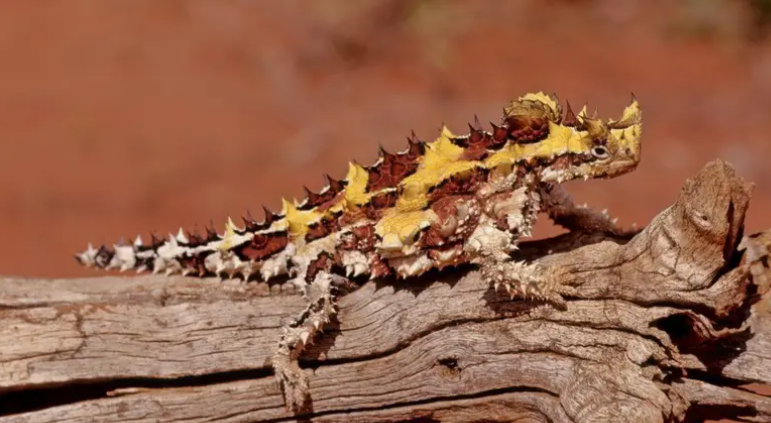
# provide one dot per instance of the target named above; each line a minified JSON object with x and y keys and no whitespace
{"x":321,"y":294}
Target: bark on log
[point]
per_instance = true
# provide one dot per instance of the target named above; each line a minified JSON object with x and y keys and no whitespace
{"x":669,"y":326}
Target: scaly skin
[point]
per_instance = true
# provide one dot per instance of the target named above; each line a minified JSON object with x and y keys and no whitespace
{"x":459,"y":199}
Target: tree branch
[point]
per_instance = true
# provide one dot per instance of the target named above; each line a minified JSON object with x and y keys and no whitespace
{"x":667,"y":326}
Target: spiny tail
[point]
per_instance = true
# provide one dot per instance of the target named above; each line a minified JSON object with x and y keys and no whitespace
{"x":192,"y":254}
{"x":160,"y":255}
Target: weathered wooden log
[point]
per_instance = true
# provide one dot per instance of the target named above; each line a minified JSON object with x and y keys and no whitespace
{"x":669,"y":325}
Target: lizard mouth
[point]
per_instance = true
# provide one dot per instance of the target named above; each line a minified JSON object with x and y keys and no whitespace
{"x":621,"y":167}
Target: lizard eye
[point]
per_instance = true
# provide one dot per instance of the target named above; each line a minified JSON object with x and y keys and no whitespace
{"x":600,"y":152}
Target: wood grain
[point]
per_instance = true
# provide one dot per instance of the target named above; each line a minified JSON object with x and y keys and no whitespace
{"x":667,"y":327}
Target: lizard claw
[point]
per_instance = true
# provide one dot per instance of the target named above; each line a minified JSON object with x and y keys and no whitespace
{"x":532,"y":282}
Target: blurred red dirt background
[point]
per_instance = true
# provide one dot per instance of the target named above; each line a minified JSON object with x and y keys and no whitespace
{"x":117,"y":118}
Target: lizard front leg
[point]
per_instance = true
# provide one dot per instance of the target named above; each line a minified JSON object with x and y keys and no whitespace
{"x":559,"y":206}
{"x":529,"y":281}
{"x":491,"y":247}
{"x":321,"y":294}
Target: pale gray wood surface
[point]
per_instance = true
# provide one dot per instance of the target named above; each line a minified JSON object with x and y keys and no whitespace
{"x":666,"y":325}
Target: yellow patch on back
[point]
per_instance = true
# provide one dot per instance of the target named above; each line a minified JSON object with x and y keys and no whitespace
{"x":442,"y":160}
{"x":298,"y":220}
{"x":228,"y":236}
{"x":399,"y":229}
{"x":356,"y":190}
{"x":561,"y":139}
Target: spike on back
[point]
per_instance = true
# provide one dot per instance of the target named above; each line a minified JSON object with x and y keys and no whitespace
{"x":391,"y":169}
{"x":250,"y":223}
{"x":570,"y":119}
{"x":155,"y":241}
{"x":195,"y":240}
{"x":269,"y":218}
{"x":416,"y":147}
{"x":211,"y":233}
{"x":334,"y":185}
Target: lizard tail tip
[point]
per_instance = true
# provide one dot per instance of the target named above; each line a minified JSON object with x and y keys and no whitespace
{"x":87,"y":258}
{"x":78,"y":258}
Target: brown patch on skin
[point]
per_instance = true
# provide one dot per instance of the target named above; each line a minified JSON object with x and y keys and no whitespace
{"x":556,"y":163}
{"x":211,"y":234}
{"x":478,"y":143}
{"x":393,"y":168}
{"x":362,"y":238}
{"x":316,"y":231}
{"x":313,"y":200}
{"x":351,"y":217}
{"x":194,"y":262}
{"x":521,"y":172}
{"x":417,"y":147}
{"x":327,"y":204}
{"x":335,"y":185}
{"x":155,"y":243}
{"x":262,"y":246}
{"x":475,"y":144}
{"x":464,"y":183}
{"x":324,"y":200}
{"x":449,"y":227}
{"x":374,"y":208}
{"x":194,"y":240}
{"x":322,"y":263}
{"x":525,"y":129}
{"x":561,"y":162}
{"x":378,"y":267}
{"x":148,"y":262}
{"x":250,"y":224}
{"x":477,"y":153}
{"x":322,"y":228}
{"x":528,"y":120}
{"x":500,"y":136}
{"x":575,"y":160}
{"x":103,"y":256}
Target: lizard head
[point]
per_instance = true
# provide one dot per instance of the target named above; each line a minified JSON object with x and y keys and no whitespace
{"x":611,"y":148}
{"x":574,"y":146}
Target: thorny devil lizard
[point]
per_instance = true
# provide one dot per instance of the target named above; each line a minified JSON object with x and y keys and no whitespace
{"x":459,"y":199}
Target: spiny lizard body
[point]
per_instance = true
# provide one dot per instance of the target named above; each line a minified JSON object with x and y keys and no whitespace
{"x":458,"y":199}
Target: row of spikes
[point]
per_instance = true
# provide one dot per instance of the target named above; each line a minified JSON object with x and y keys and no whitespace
{"x":416,"y":147}
{"x":243,"y":268}
{"x":194,"y":239}
{"x":501,"y":133}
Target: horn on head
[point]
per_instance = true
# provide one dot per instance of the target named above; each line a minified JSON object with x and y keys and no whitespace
{"x":595,"y":127}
